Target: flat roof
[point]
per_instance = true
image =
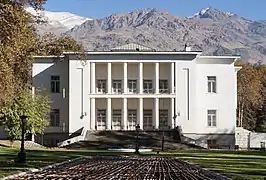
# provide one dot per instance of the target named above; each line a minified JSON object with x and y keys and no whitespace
{"x":135,"y":52}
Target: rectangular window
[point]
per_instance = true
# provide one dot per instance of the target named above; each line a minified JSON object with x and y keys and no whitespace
{"x":55,"y":118}
{"x":147,"y":119}
{"x":132,"y":119}
{"x":212,"y":87}
{"x":101,"y":119}
{"x":101,"y":86}
{"x":116,"y":119}
{"x":212,"y":118}
{"x":132,"y":86}
{"x":163,"y":122}
{"x":55,"y":84}
{"x":163,"y":86}
{"x":147,"y":86}
{"x":117,"y":86}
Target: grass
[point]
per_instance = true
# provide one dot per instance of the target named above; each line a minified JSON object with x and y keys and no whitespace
{"x":234,"y":164}
{"x":37,"y":158}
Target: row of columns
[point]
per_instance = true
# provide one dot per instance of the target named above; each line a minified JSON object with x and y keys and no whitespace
{"x":125,"y":113}
{"x":125,"y":74}
{"x":92,"y":82}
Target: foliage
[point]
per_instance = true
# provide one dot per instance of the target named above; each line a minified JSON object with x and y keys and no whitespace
{"x":249,"y":95}
{"x":19,"y":42}
{"x":252,"y":97}
{"x":35,"y":108}
{"x":50,"y":44}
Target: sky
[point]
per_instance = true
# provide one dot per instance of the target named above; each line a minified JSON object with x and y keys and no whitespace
{"x":101,"y":8}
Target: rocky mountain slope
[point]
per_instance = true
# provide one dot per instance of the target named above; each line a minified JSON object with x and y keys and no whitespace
{"x":211,"y":31}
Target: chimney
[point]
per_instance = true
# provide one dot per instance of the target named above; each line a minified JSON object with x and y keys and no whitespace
{"x":187,"y":48}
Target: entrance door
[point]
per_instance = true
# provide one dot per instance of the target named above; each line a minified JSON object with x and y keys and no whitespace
{"x":147,"y":120}
{"x":101,"y":119}
{"x":117,"y":114}
{"x":132,"y":119}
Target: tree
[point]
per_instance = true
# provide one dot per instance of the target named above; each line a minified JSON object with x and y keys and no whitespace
{"x":261,"y":110}
{"x":50,"y":44}
{"x":35,"y":108}
{"x":17,"y":45}
{"x":249,"y":96}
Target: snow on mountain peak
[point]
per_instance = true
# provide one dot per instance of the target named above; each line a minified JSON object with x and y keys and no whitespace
{"x":205,"y":13}
{"x":66,"y":19}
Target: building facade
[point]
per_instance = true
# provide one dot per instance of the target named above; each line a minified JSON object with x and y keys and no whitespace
{"x":118,"y":89}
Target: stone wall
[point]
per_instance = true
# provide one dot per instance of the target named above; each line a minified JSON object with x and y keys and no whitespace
{"x":242,"y":138}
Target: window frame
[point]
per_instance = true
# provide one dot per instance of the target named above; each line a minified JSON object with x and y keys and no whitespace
{"x":117,"y":82}
{"x":212,"y":83}
{"x":163,"y":82}
{"x":130,"y":83}
{"x":103,"y":84}
{"x":132,"y":116}
{"x":147,"y":124}
{"x":149,"y":84}
{"x":101,"y":120}
{"x":55,"y":84}
{"x":116,"y":119}
{"x":163,"y":115}
{"x":211,"y":115}
{"x":55,"y":117}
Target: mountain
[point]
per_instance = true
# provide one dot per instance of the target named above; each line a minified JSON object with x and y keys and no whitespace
{"x":57,"y":22}
{"x":212,"y":31}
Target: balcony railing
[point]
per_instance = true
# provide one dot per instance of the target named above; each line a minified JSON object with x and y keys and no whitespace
{"x":133,"y":91}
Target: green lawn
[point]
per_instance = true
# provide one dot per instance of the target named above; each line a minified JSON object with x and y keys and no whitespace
{"x":237,"y":165}
{"x":234,"y":164}
{"x":39,"y":158}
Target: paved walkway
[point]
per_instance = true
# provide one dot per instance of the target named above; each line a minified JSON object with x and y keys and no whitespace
{"x":126,"y":168}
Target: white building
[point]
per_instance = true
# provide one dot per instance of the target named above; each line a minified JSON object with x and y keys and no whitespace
{"x":132,"y":84}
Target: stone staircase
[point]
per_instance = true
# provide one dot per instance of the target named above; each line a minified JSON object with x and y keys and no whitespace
{"x":127,"y":139}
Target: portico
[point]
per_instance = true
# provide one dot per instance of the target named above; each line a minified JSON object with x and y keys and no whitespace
{"x":124,"y":94}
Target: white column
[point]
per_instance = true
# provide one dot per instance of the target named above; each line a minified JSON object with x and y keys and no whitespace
{"x":92,"y":113}
{"x":125,"y":77}
{"x":88,"y":73}
{"x":172,"y":114}
{"x":176,"y":93}
{"x":109,"y":77}
{"x":156,"y":113}
{"x":88,"y":110}
{"x":156,"y":80}
{"x":109,"y":113}
{"x":140,"y":113}
{"x":141,"y":78}
{"x":125,"y":114}
{"x":87,"y":92}
{"x":92,"y":78}
{"x":172,"y":77}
